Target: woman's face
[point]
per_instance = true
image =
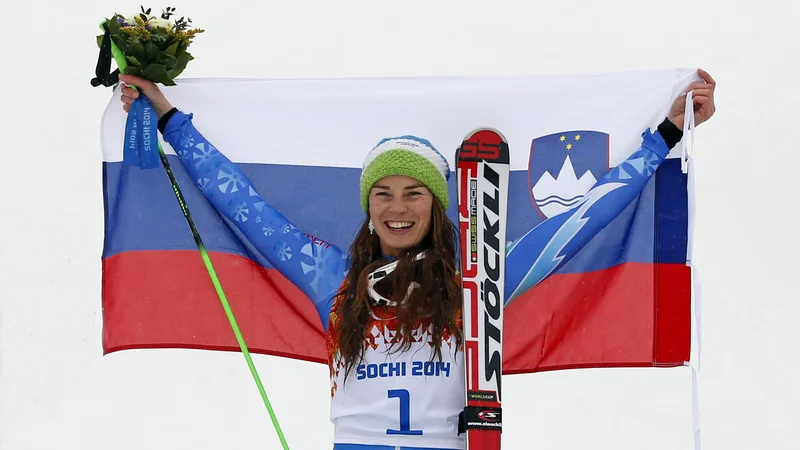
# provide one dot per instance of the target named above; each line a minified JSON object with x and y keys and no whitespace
{"x":400,"y":209}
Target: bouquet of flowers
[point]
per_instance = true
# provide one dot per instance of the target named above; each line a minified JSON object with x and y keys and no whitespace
{"x":154,"y":48}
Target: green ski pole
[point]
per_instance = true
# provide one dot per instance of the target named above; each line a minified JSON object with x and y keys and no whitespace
{"x":122,"y":64}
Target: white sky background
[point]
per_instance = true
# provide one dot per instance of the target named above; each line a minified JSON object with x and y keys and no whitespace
{"x":57,"y":391}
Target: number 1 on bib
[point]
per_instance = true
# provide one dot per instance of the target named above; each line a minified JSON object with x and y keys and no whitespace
{"x":482,"y":167}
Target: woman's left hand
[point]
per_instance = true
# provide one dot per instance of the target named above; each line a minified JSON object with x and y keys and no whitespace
{"x":702,"y":98}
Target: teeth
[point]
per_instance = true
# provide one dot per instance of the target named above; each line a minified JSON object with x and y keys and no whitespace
{"x":399,"y":224}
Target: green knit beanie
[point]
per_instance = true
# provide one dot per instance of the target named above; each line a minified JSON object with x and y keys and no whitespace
{"x":410,"y":156}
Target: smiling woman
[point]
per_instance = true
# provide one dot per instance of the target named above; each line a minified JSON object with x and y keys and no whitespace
{"x":404,"y":195}
{"x":400,"y":212}
{"x":399,"y":205}
{"x":401,"y":176}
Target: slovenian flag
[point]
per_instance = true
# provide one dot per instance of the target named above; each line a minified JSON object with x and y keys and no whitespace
{"x":624,"y":299}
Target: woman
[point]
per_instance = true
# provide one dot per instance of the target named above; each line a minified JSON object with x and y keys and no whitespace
{"x":395,"y":361}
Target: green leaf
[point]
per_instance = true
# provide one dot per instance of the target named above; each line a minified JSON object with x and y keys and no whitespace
{"x":159,"y":37}
{"x":121,"y":43}
{"x":167,"y":60}
{"x":132,"y":70}
{"x":182,"y":45}
{"x":156,"y":73}
{"x":132,"y":61}
{"x":114,"y":26}
{"x":182,"y":61}
{"x":171,"y":50}
{"x":136,"y":49}
{"x":151,"y":52}
{"x":100,"y":40}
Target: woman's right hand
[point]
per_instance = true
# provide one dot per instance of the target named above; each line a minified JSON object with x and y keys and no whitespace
{"x":148,"y":88}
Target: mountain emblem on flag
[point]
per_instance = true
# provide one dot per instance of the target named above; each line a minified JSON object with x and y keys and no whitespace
{"x":562,"y":167}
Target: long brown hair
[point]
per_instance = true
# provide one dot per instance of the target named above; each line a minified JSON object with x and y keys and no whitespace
{"x":436,"y":301}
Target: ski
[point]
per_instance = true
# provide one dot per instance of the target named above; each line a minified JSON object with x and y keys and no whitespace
{"x":482,"y":169}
